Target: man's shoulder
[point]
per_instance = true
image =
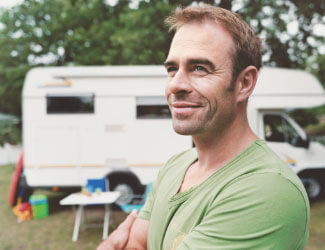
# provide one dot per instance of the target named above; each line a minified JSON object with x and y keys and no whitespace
{"x":263,"y":159}
{"x":262,"y":170}
{"x":270,"y":162}
{"x":267,"y":179}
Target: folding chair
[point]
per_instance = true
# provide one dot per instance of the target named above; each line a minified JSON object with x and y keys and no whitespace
{"x":94,"y":184}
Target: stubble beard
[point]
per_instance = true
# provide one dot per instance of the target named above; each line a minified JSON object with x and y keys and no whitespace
{"x":192,"y":125}
{"x":203,"y":122}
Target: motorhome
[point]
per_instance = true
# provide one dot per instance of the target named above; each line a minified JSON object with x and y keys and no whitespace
{"x":114,"y":122}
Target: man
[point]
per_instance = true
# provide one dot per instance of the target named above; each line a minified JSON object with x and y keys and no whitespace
{"x":232,"y":191}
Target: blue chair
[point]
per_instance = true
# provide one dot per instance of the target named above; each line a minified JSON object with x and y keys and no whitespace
{"x":129,"y":207}
{"x":94,"y":184}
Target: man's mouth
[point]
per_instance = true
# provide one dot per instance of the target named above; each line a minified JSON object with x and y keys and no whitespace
{"x":183,"y":104}
{"x":184,"y":108}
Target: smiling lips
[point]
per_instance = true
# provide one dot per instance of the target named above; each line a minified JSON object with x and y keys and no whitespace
{"x":183,"y":107}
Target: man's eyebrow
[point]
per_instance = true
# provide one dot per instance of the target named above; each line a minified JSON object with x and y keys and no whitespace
{"x":204,"y":62}
{"x":193,"y":61}
{"x":169,"y":63}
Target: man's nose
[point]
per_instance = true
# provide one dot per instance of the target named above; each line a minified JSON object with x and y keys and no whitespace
{"x":179,"y":83}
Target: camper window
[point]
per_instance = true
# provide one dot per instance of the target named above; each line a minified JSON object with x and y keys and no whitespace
{"x":292,"y":135}
{"x":273,"y":128}
{"x":152,"y":107}
{"x":278,"y":129}
{"x":78,"y":104}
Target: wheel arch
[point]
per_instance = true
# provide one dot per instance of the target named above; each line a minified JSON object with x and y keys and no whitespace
{"x":314,"y":182}
{"x":117,"y":176}
{"x":126,"y":182}
{"x":318,"y":172}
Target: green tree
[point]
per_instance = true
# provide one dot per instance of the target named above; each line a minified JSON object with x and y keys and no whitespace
{"x":285,"y":47}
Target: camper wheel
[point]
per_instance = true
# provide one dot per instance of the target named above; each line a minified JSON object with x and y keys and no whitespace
{"x":313,"y":187}
{"x":312,"y":181}
{"x":127,"y":184}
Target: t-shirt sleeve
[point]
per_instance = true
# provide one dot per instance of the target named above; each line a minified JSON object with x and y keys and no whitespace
{"x":258,"y":211}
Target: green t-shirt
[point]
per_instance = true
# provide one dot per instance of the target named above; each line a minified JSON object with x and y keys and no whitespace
{"x":254,"y":202}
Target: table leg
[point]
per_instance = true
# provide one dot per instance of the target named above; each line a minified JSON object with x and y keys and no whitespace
{"x":77,"y":223}
{"x":106,"y":221}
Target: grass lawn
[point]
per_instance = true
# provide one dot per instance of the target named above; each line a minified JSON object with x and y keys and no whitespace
{"x":55,"y":231}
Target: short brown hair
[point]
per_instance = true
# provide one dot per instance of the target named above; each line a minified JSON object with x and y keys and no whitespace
{"x":248,"y":48}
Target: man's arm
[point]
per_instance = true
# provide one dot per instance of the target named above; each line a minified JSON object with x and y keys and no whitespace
{"x":130,"y":234}
{"x":138,"y":235}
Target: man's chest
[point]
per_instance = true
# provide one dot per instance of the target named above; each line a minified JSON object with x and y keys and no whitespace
{"x":194,"y":176}
{"x":175,"y":216}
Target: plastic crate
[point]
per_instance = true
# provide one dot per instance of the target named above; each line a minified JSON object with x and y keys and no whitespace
{"x":39,"y":206}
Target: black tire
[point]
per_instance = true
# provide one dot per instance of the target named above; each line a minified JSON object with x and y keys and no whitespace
{"x":127,"y":184}
{"x":313,"y":187}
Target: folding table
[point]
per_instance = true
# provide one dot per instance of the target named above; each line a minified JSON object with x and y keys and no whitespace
{"x":81,"y":200}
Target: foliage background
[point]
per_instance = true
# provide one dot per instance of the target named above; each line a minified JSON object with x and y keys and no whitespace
{"x":97,"y":32}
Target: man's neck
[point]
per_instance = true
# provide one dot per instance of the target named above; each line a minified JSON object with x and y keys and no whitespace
{"x":216,"y":150}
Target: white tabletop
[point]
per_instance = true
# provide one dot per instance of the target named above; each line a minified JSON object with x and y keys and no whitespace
{"x":81,"y":199}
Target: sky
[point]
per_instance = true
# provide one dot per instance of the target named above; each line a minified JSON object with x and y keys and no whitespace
{"x":9,"y":3}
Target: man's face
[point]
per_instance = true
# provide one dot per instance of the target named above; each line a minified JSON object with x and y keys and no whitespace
{"x":199,"y":70}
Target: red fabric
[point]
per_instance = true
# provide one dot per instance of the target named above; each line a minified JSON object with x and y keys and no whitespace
{"x":15,"y":179}
{"x":25,"y":206}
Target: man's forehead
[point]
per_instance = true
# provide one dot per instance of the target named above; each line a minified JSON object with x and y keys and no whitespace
{"x":192,"y":33}
{"x":204,"y":41}
{"x":189,"y":51}
{"x":206,"y":29}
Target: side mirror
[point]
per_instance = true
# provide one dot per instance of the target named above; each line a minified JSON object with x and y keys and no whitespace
{"x":299,"y":142}
{"x":307,"y":141}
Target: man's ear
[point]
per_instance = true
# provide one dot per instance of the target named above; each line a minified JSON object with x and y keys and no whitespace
{"x":245,"y":83}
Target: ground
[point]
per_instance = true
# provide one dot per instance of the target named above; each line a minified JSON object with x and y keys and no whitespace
{"x":55,"y":231}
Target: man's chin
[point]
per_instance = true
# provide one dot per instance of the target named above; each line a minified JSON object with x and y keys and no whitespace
{"x":181,"y":130}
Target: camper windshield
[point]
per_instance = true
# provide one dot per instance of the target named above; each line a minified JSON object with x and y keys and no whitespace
{"x":278,"y":129}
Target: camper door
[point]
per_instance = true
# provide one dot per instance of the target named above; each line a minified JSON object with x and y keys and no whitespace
{"x":285,"y":137}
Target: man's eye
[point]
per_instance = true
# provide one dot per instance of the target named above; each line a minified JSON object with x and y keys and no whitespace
{"x":200,"y":68}
{"x":171,"y":69}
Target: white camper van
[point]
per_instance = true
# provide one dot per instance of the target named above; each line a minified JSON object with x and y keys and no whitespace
{"x":114,"y":122}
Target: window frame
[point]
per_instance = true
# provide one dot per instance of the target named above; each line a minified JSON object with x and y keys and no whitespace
{"x":81,"y":111}
{"x":284,"y":121}
{"x":151,"y":102}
